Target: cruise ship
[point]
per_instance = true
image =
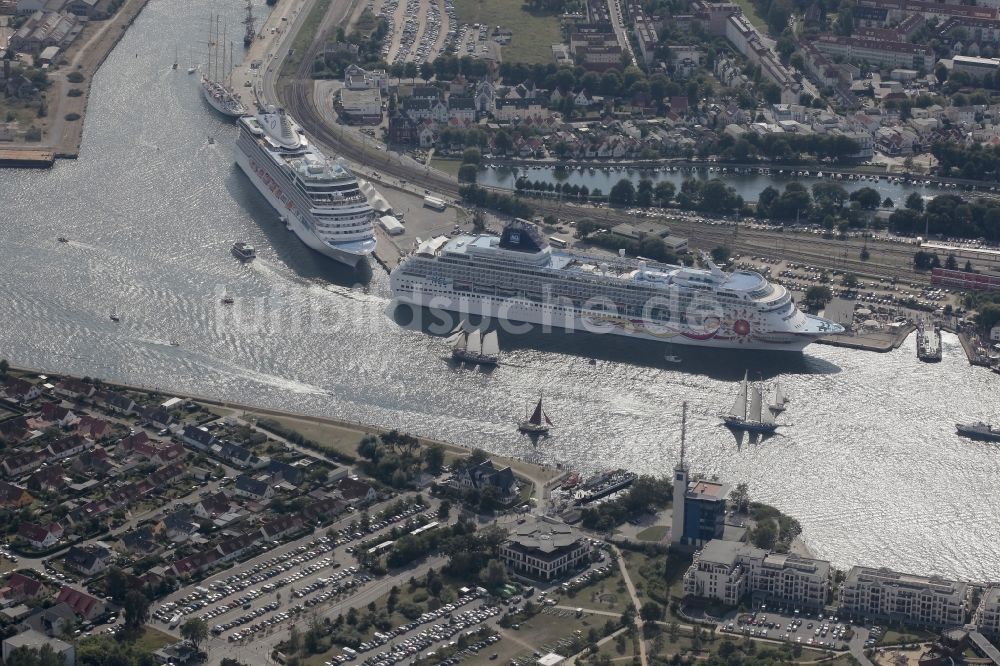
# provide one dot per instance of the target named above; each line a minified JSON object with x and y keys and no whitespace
{"x":519,"y":277}
{"x":317,"y":198}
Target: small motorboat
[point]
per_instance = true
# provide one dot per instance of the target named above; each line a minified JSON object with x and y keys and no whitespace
{"x":62,"y":239}
{"x":227,"y":300}
{"x":244,"y":251}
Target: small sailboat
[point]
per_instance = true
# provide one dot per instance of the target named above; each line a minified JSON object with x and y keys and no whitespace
{"x":114,"y":314}
{"x":227,"y":299}
{"x":752,"y":417}
{"x":537,"y":423}
{"x":780,"y":399}
{"x":174,"y":66}
{"x":473,"y":346}
{"x":211,"y":140}
{"x":670,"y":357}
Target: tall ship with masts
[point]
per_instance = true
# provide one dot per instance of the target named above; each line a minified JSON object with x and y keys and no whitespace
{"x":219,"y":96}
{"x":316,"y":197}
{"x":751,"y":416}
{"x":249,"y":26}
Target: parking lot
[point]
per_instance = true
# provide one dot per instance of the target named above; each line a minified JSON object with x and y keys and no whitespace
{"x":248,"y":600}
{"x":418,"y":29}
{"x":809,"y":629}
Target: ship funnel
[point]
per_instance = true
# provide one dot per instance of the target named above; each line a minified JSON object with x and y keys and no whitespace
{"x":604,"y":269}
{"x":642,"y":269}
{"x":621,"y":252}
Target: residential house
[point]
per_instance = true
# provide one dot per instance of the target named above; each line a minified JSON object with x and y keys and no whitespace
{"x":251,"y":488}
{"x":84,"y":605}
{"x":193,"y":564}
{"x":158,"y":416}
{"x":212,"y":506}
{"x":52,"y":621}
{"x":92,"y":428}
{"x":141,"y":540}
{"x":73,"y":389}
{"x":352,"y":490}
{"x":32,"y":640}
{"x":67,"y":447}
{"x":15,"y":430}
{"x":235,"y":547}
{"x":38,"y":536}
{"x":199,"y":438}
{"x":280,"y":527}
{"x":113,"y":401}
{"x":487,"y":475}
{"x":54,"y":413}
{"x":18,"y":588}
{"x":178,"y":526}
{"x":95,"y":462}
{"x":20,"y":390}
{"x":283,"y":472}
{"x":13,"y":496}
{"x":324,"y":510}
{"x":50,"y":477}
{"x":239,"y":456}
{"x":90,"y":559}
{"x":462,"y":109}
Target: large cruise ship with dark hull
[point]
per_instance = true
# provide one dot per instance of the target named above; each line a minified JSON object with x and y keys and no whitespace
{"x":316,"y":197}
{"x":517,"y":276}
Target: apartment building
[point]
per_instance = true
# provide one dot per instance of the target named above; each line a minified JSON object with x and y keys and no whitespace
{"x":729,"y":571}
{"x":905,"y":598}
{"x":878,"y":52}
{"x":987,"y":617}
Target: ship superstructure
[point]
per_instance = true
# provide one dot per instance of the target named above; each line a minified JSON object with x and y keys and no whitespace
{"x":316,"y":197}
{"x":519,"y":277}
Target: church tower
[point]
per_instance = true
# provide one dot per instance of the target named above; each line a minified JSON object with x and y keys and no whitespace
{"x":680,"y":488}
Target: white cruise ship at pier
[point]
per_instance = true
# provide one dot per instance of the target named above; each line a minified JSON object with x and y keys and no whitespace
{"x":519,"y":277}
{"x":316,"y":197}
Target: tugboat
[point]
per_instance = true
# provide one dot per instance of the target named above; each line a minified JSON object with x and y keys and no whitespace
{"x":754,"y":418}
{"x":979,"y":430}
{"x":537,"y":423}
{"x":244,"y":251}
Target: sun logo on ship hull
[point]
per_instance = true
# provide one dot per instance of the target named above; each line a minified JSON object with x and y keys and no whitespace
{"x":741,"y":325}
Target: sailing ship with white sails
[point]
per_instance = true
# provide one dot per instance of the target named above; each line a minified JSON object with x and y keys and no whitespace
{"x":218,"y":95}
{"x":474,"y":347}
{"x":751,"y":417}
{"x":780,"y":399}
{"x":538,"y":423}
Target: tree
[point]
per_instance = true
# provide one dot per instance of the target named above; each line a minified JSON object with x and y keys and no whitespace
{"x":434,"y":458}
{"x":623,"y":193}
{"x":644,"y":194}
{"x":923,"y":260}
{"x":664,"y":192}
{"x":426,"y":71}
{"x":195,"y":630}
{"x":444,"y":510}
{"x":471,"y":156}
{"x":136,"y":607}
{"x":651,"y":612}
{"x":495,"y":575}
{"x":720,"y":254}
{"x":867,"y":197}
{"x":818,"y":296}
{"x":951,"y":263}
{"x":765,"y":535}
{"x":968,"y":266}
{"x":915,"y":202}
{"x":888,"y":203}
{"x":116,"y":584}
{"x":468,"y":172}
{"x":850,"y":281}
{"x":741,"y":497}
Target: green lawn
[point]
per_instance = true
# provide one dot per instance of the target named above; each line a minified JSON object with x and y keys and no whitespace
{"x":534,"y":33}
{"x":607,"y":594}
{"x":304,"y":37}
{"x":654,"y":533}
{"x":448,"y":166}
{"x":153,"y":639}
{"x":893,"y":637}
{"x":751,"y":13}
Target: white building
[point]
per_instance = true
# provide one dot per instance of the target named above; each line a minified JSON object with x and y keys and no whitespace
{"x":545,"y":550}
{"x":361,"y":105}
{"x":906,"y":598}
{"x":35,"y":640}
{"x":987,"y":617}
{"x":731,"y":570}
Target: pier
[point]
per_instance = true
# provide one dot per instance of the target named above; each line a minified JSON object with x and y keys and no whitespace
{"x":24,"y":157}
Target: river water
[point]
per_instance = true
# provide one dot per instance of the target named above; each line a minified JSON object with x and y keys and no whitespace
{"x":868,"y":461}
{"x":747,"y":184}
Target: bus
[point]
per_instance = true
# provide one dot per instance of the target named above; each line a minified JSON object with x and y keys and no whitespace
{"x":557,"y":242}
{"x":435,"y":203}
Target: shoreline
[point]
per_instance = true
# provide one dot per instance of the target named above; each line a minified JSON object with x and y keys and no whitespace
{"x":62,"y":138}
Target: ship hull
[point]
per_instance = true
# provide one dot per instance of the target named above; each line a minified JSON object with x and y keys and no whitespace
{"x":292,"y":220}
{"x":521,"y":311}
{"x":219,"y":106}
{"x":749,"y":426}
{"x":976,"y":434}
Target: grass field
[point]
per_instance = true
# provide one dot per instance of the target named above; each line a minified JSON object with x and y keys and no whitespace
{"x":534,"y":33}
{"x":446,"y":165}
{"x":751,"y":13}
{"x":304,"y":37}
{"x":153,"y":639}
{"x":654,"y":533}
